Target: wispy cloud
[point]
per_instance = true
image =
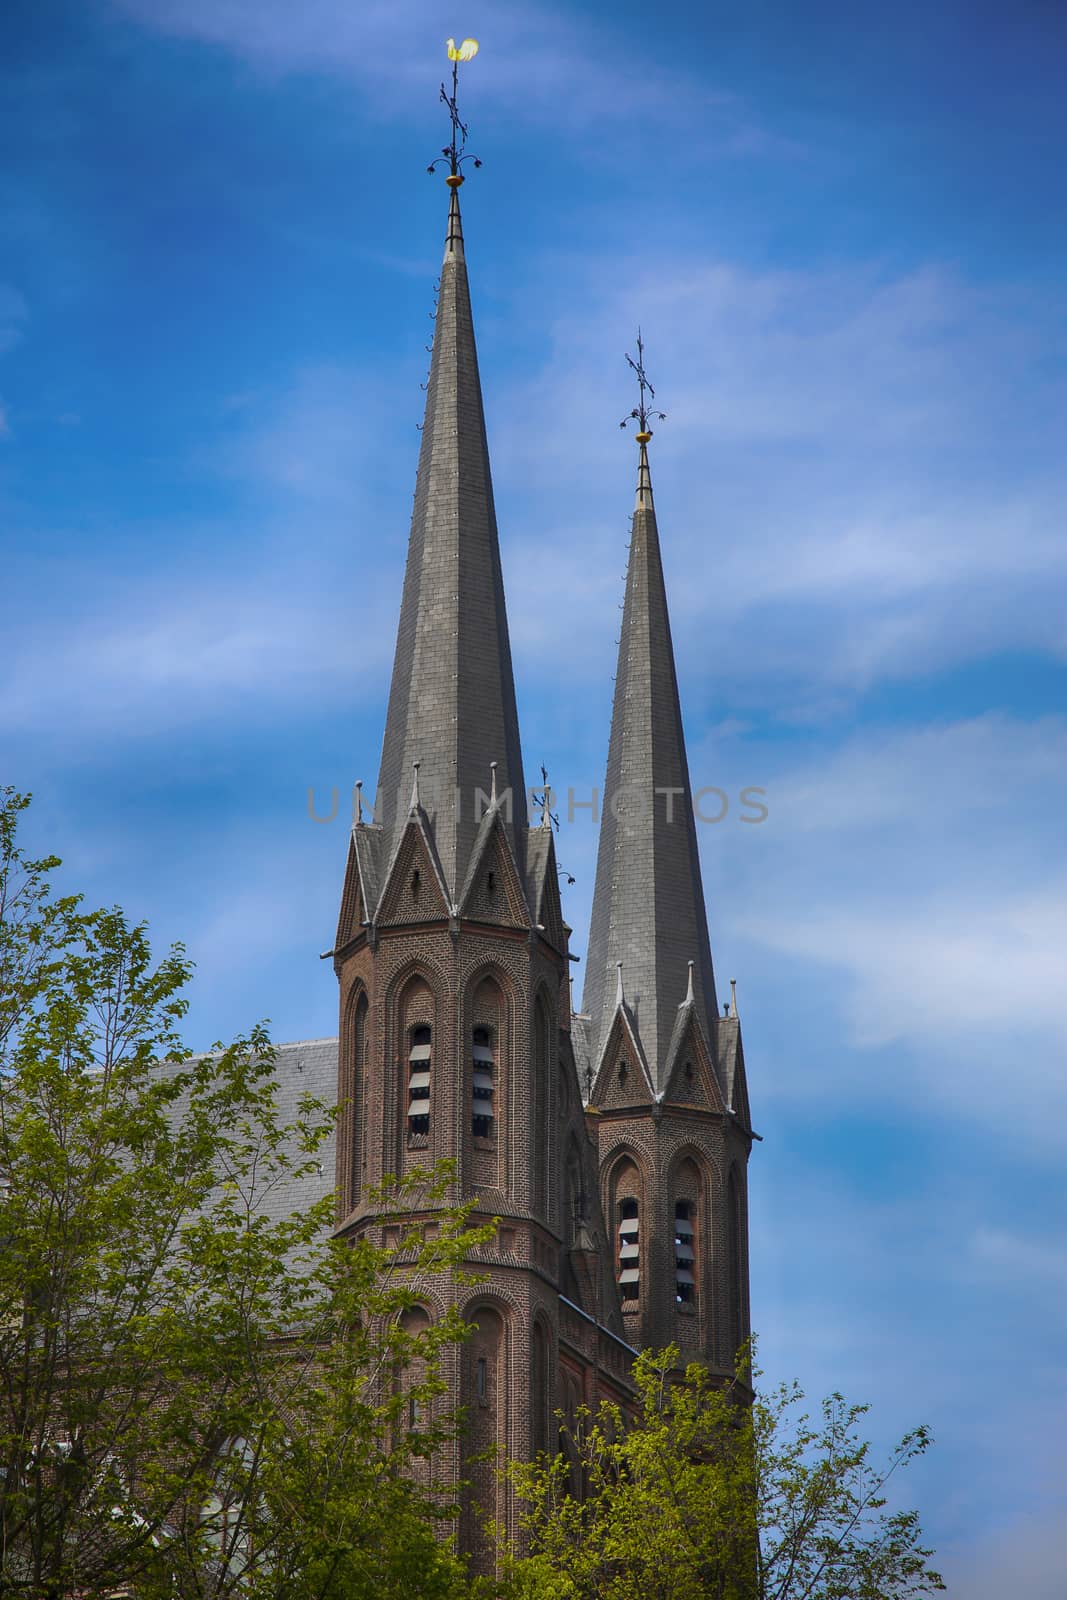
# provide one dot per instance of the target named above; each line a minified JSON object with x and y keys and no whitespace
{"x":140,"y":667}
{"x":831,"y":467}
{"x":1025,"y":1558}
{"x":912,"y":879}
{"x":541,"y":63}
{"x":1004,"y":1255}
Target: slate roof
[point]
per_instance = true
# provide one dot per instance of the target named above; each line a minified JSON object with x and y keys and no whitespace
{"x":648,"y":903}
{"x":452,"y":699}
{"x":308,"y":1066}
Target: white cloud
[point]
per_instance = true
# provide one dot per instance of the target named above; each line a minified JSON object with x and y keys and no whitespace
{"x":537,"y":62}
{"x":138,"y":667}
{"x":1024,"y":1560}
{"x":915,"y":880}
{"x":993,"y":766}
{"x":1004,"y":1254}
{"x":831,"y":480}
{"x":297,"y":602}
{"x":318,"y":441}
{"x":946,"y":967}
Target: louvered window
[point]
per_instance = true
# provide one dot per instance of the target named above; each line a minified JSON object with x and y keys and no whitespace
{"x":483,"y":1085}
{"x":629,"y":1250}
{"x":419,"y":1062}
{"x":684,"y":1253}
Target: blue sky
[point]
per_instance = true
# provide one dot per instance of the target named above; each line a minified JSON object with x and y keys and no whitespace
{"x":842,"y":228}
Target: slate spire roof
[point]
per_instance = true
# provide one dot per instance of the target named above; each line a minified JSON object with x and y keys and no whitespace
{"x":452,"y":699}
{"x":648,"y":904}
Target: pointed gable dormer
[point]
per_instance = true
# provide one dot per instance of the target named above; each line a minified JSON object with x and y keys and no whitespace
{"x":688,"y":1071}
{"x":492,"y":892}
{"x":648,"y":903}
{"x":452,"y":699}
{"x":622,"y":1076}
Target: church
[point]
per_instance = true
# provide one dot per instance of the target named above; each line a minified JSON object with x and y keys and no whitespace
{"x":611,"y":1142}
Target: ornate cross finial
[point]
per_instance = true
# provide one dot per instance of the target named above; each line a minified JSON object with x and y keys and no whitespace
{"x":642,"y":412}
{"x":453,"y":153}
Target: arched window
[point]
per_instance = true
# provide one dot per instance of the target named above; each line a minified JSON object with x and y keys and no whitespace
{"x":482,"y":1083}
{"x":419,"y":1065}
{"x":684,"y":1253}
{"x":539,"y":1388}
{"x":735,"y":1224}
{"x":485,"y":1395}
{"x":415,"y":1323}
{"x":359,"y":1101}
{"x":542,"y":1067}
{"x":629,"y":1249}
{"x":576,"y":1202}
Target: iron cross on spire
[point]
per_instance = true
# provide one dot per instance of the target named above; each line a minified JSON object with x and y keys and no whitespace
{"x":641,"y":412}
{"x":453,"y":153}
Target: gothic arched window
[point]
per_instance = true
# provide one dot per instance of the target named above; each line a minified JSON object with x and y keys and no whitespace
{"x":356,"y":1113}
{"x":735,"y":1225}
{"x":684,"y":1253}
{"x":482,"y":1083}
{"x":419,"y":1063}
{"x":629,"y":1249}
{"x":542,"y":1067}
{"x":415,"y":1323}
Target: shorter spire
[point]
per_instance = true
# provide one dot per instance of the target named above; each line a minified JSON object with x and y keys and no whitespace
{"x":733,"y":997}
{"x":493,"y":802}
{"x":620,"y":998}
{"x":689,"y":988}
{"x":359,"y":802}
{"x":415,"y":801}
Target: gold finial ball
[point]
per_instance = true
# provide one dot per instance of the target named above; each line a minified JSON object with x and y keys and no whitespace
{"x":454,"y":180}
{"x":643,"y":438}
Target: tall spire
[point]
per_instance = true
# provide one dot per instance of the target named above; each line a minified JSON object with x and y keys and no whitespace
{"x":648,"y":904}
{"x":452,"y":699}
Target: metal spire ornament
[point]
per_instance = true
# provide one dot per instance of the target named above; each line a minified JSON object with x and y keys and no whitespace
{"x":641,"y":412}
{"x":453,"y":153}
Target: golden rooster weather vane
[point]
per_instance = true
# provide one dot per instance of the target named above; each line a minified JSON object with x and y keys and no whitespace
{"x":453,"y":153}
{"x":641,"y":412}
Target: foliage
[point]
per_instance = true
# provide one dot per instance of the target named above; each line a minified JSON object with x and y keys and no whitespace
{"x":197,"y":1394}
{"x":705,"y":1495}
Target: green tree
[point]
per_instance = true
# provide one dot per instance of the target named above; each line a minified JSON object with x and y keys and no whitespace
{"x":200,"y":1394}
{"x":704,"y":1495}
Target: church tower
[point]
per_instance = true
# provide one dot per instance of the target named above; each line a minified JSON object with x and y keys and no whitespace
{"x":452,"y":961}
{"x":621,"y":1222}
{"x":665,"y":1073}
